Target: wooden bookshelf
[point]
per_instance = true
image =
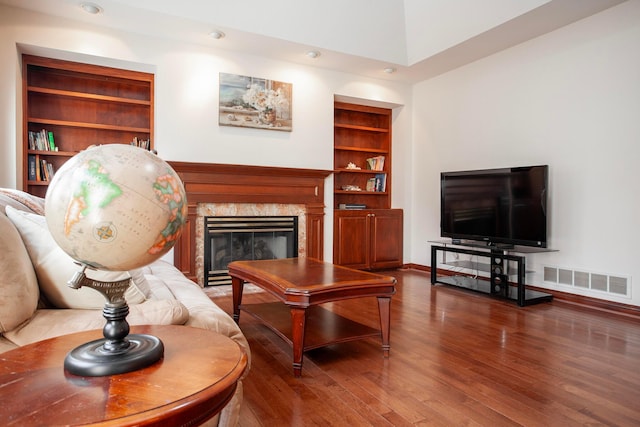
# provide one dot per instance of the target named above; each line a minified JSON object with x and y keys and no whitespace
{"x":360,"y":133}
{"x":81,"y":105}
{"x":368,"y":238}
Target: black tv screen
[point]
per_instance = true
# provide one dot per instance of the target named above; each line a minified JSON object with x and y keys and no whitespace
{"x":498,"y":206}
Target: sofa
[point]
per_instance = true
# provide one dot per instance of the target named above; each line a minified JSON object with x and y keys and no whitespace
{"x":36,"y":303}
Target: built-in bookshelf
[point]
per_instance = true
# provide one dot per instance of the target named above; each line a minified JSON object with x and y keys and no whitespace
{"x":362,"y":156}
{"x":69,"y":106}
{"x":367,"y":232}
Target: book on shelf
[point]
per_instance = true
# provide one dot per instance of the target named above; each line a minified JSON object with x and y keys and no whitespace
{"x":381,"y":182}
{"x":371,"y":184}
{"x":31,"y":167}
{"x":375,"y":163}
{"x":38,"y":169}
{"x":352,"y":206}
{"x":52,"y":143}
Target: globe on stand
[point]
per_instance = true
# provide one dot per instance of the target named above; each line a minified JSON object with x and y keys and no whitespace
{"x":114,"y":207}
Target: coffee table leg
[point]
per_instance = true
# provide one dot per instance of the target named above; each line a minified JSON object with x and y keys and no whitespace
{"x":237,"y":286}
{"x":298,"y":319}
{"x":384,"y":308}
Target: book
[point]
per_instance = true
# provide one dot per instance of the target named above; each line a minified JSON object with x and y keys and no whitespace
{"x":44,"y":171}
{"x":371,"y":184}
{"x":352,"y":206}
{"x":32,"y":167}
{"x":52,"y":144}
{"x":50,"y":171}
{"x":381,"y":182}
{"x":32,"y":141}
{"x":37,"y":164}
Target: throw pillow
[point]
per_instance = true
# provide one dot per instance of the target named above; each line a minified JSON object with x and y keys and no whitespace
{"x":54,"y":268}
{"x":18,"y":283}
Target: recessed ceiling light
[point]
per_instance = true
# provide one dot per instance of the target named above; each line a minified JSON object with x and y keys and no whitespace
{"x":216,"y":34}
{"x":313,"y":54}
{"x":91,"y":8}
{"x":390,"y":70}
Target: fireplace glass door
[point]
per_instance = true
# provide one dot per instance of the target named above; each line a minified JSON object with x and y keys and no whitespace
{"x":246,"y":238}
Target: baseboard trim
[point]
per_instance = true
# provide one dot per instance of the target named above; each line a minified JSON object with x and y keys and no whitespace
{"x":579,"y":301}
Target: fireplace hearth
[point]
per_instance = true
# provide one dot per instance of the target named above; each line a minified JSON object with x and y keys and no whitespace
{"x":236,"y":238}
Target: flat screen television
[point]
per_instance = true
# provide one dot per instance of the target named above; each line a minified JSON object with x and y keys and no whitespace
{"x":501,"y":207}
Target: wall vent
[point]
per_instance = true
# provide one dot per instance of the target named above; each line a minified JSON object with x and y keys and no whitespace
{"x":618,"y":285}
{"x":599,"y":282}
{"x":613,"y":284}
{"x":551,"y":274}
{"x":565,"y":276}
{"x":581,"y":279}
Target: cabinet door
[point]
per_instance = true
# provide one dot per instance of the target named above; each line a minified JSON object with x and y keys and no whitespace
{"x":386,"y":240}
{"x":351,"y":239}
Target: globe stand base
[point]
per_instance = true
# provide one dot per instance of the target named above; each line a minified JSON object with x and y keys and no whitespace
{"x":92,"y":359}
{"x":118,"y":352}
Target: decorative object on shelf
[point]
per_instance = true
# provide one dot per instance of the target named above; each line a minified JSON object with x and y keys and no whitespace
{"x":351,"y":188}
{"x":352,"y":166}
{"x":254,"y":102}
{"x":114,"y":207}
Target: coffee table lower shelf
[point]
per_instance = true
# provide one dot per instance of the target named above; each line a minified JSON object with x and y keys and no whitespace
{"x":322,"y":328}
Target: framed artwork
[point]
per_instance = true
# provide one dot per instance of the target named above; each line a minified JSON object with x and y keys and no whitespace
{"x":254,"y":103}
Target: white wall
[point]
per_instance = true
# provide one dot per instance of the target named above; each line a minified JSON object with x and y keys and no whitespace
{"x":186,"y":95}
{"x":569,"y":99}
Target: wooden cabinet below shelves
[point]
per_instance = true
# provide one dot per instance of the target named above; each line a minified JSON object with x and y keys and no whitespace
{"x":368,"y":239}
{"x":80,"y":105}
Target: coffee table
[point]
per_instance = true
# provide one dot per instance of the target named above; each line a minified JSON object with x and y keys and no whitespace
{"x":196,"y":378}
{"x":302,"y":284}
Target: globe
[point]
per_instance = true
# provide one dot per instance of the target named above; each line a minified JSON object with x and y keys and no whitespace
{"x":115,"y":207}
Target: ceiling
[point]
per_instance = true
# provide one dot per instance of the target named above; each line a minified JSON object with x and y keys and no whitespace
{"x":419,"y":39}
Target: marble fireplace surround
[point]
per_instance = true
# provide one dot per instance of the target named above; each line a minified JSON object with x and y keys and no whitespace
{"x":255,"y":188}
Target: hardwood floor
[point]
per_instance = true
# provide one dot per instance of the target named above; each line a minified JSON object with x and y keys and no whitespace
{"x":457,"y":358}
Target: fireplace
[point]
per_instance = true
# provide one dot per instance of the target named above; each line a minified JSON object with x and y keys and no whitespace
{"x":236,"y":238}
{"x":290,"y":191}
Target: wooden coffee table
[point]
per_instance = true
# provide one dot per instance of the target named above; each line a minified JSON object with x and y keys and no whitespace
{"x":196,"y":378}
{"x":302,"y":284}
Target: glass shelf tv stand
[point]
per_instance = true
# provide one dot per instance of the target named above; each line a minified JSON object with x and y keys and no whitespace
{"x":499,"y":264}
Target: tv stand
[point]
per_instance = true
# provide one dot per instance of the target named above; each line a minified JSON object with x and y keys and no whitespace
{"x":499,"y":264}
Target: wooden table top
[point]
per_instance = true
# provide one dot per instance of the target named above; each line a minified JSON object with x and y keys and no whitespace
{"x":303,"y":282}
{"x":194,"y":380}
{"x":305,"y":275}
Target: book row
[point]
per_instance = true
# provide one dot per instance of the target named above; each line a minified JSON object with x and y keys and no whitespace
{"x":142,"y":143}
{"x":39,"y":169}
{"x":377,"y":183}
{"x":42,"y":140}
{"x":375,"y":163}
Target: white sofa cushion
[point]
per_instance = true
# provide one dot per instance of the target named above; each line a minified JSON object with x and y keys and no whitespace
{"x":18,"y":285}
{"x":49,"y":323}
{"x":54,"y":267}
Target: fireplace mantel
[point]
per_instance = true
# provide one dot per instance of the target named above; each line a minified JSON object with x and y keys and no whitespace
{"x":222,"y":183}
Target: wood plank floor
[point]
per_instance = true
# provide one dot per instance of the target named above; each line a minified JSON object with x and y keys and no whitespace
{"x":457,"y":358}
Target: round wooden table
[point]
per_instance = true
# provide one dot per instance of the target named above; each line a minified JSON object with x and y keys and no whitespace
{"x":195,"y":379}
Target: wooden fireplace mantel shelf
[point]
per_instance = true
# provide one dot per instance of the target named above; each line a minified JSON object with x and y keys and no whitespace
{"x":225,"y":183}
